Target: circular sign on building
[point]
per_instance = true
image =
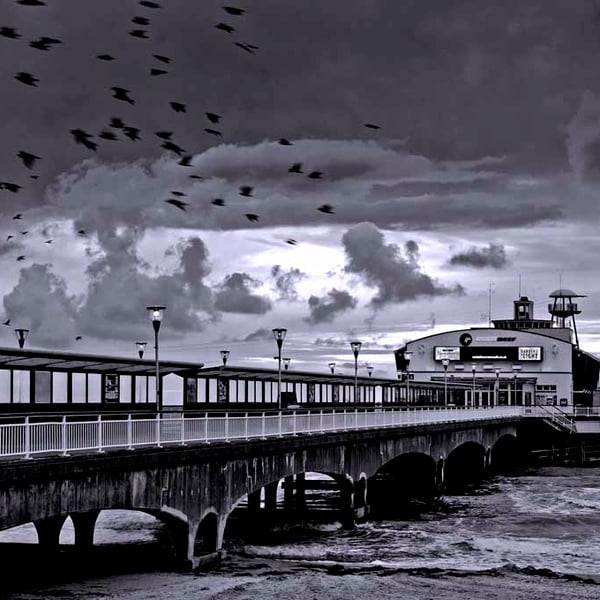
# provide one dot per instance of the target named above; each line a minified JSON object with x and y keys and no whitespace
{"x":465,"y":339}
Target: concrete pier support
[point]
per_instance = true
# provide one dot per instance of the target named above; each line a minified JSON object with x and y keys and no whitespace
{"x":84,"y":525}
{"x":271,"y":497}
{"x":254,"y":501}
{"x":288,"y":493}
{"x":439,"y":476}
{"x":347,"y":498}
{"x":300,"y":495}
{"x":48,"y":530}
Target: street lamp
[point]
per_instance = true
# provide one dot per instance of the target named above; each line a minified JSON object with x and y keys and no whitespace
{"x":286,"y":363}
{"x":141,"y":346}
{"x":370,"y":370}
{"x":331,"y":366}
{"x":497,"y":389}
{"x":355,"y":350}
{"x":445,"y":363}
{"x":407,"y":357}
{"x":473,"y":369}
{"x":156,"y":315}
{"x":224,"y":356}
{"x":279,"y":335}
{"x":21,"y":336}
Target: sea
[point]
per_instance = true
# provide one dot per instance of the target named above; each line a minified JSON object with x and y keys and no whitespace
{"x":540,"y":521}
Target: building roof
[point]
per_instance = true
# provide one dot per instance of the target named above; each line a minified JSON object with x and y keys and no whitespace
{"x":565,"y":293}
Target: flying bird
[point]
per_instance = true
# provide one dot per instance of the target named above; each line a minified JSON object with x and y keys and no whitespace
{"x":162,"y":58}
{"x":232,"y":10}
{"x":178,"y":193}
{"x":20,"y":258}
{"x":291,"y":242}
{"x":31,"y":2}
{"x":141,"y":20}
{"x":213,"y":132}
{"x":156,"y":72}
{"x":327,"y":209}
{"x":108,"y":135}
{"x":195,"y":177}
{"x":250,"y":48}
{"x":372,"y":126}
{"x":213,"y":117}
{"x":218,"y":202}
{"x":284,"y":142}
{"x":44,"y":43}
{"x":105,"y":57}
{"x":296,"y":168}
{"x":225,"y":27}
{"x":139,"y":33}
{"x":81,"y":231}
{"x":11,"y":187}
{"x":117,"y":123}
{"x":7,"y":322}
{"x":149,"y":4}
{"x":177,"y":106}
{"x":82,"y":137}
{"x":133,"y":133}
{"x":246,"y":190}
{"x":251,"y":217}
{"x":34,"y":176}
{"x":9,"y":32}
{"x":28,"y":158}
{"x":78,"y":338}
{"x":17,"y":216}
{"x":9,"y":237}
{"x":173,"y":147}
{"x":186,"y":161}
{"x":315,"y":175}
{"x":178,"y":203}
{"x":163,"y":135}
{"x":27,"y":78}
{"x":48,"y":242}
{"x":23,"y":232}
{"x":122,"y":94}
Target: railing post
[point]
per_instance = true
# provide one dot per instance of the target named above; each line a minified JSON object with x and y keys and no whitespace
{"x":27,"y":438}
{"x":129,"y":433}
{"x":206,"y":428}
{"x":226,"y":427}
{"x":263,"y":426}
{"x":345,"y":420}
{"x":246,"y":427}
{"x":100,"y":434}
{"x":63,"y":436}
{"x":158,"y":444}
{"x":183,"y":429}
{"x":294,"y":420}
{"x":280,"y":425}
{"x":321,"y":420}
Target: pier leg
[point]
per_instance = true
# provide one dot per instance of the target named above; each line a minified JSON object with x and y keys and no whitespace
{"x":84,"y":524}
{"x":48,"y":530}
{"x":271,"y":497}
{"x":300,"y":495}
{"x":439,"y":476}
{"x":288,"y":493}
{"x":254,"y":501}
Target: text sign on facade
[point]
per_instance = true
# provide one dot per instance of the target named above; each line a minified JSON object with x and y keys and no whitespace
{"x":449,"y":352}
{"x":530,"y":353}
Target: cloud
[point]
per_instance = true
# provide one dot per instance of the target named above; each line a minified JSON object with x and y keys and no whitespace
{"x":326,"y":308}
{"x":261,"y":334}
{"x":493,"y":256}
{"x":583,"y":139}
{"x":233,"y":295}
{"x":380,"y":265}
{"x":285,"y":282}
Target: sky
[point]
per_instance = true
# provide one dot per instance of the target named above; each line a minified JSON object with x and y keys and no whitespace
{"x":444,"y":156}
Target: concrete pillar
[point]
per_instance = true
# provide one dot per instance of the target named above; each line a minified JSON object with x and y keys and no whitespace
{"x":48,"y":530}
{"x":347,"y":505}
{"x":271,"y":497}
{"x":84,"y":524}
{"x":300,"y":496}
{"x":439,"y":475}
{"x":254,"y":501}
{"x":487,"y":460}
{"x":288,"y":493}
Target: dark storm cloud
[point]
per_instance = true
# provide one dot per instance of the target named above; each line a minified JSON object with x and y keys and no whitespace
{"x":326,"y":308}
{"x":234,"y":295}
{"x":381,"y":265}
{"x":438,"y":188}
{"x":493,"y":256}
{"x":261,"y":334}
{"x":583,"y":140}
{"x":285,"y":281}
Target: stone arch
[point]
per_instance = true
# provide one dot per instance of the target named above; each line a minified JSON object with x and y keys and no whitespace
{"x":466,"y":464}
{"x":207,"y":538}
{"x":506,"y":454}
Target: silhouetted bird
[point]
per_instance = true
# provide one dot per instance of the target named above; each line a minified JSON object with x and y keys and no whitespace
{"x":78,"y":338}
{"x":315,"y":175}
{"x":27,"y":78}
{"x":133,"y":133}
{"x":139,"y":33}
{"x":9,"y":32}
{"x":149,"y":4}
{"x":155,"y":72}
{"x":178,"y":106}
{"x":326,"y":208}
{"x":163,"y":135}
{"x":218,"y":202}
{"x":82,"y":137}
{"x":105,"y":57}
{"x":31,"y":2}
{"x":178,"y":203}
{"x":186,"y":161}
{"x":372,"y":126}
{"x":11,"y":187}
{"x":162,"y":58}
{"x":173,"y":147}
{"x":284,"y":142}
{"x":225,"y":27}
{"x":117,"y":123}
{"x":251,"y":217}
{"x":232,"y":10}
{"x":17,"y":216}
{"x":23,"y":232}
{"x":180,"y":194}
{"x":296,"y":168}
{"x":9,"y":237}
{"x":212,"y":117}
{"x":20,"y":258}
{"x":81,"y":231}
{"x":291,"y":242}
{"x":34,"y":176}
{"x":213,"y":132}
{"x":195,"y":177}
{"x":141,"y":20}
{"x":48,"y":242}
{"x":250,"y":48}
{"x":108,"y":135}
{"x":122,"y":94}
{"x":246,"y":190}
{"x":44,"y":43}
{"x":27,"y":158}
{"x":7,"y":322}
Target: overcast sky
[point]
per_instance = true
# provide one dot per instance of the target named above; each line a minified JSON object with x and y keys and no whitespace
{"x":484,"y":170}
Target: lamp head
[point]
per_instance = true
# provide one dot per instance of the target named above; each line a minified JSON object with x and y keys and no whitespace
{"x":286,"y":363}
{"x":21,"y":336}
{"x":473,"y":367}
{"x":355,"y":347}
{"x":156,"y":314}
{"x":224,"y":356}
{"x":370,"y":370}
{"x":279,"y":335}
{"x":407,"y":356}
{"x":141,"y":346}
{"x":445,"y":363}
{"x":331,"y":366}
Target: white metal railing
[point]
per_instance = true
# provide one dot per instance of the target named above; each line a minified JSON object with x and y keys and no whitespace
{"x":552,"y":413}
{"x":586,"y":411}
{"x":29,"y":438}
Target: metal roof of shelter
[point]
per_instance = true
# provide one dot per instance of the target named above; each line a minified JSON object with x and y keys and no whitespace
{"x":16,"y":358}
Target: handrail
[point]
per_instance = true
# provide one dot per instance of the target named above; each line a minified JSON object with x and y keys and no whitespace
{"x":28,"y":439}
{"x":556,"y":415}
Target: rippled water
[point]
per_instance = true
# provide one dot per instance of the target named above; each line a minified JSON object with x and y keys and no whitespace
{"x":544,"y":520}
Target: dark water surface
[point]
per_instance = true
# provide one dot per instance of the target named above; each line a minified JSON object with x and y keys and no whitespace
{"x":544,"y":522}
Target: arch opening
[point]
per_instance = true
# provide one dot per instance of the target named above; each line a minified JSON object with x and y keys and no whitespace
{"x":507,"y":455}
{"x":465,"y":467}
{"x":206,"y":541}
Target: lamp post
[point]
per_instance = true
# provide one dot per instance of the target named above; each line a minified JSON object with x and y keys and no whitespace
{"x":279,"y":335}
{"x":141,"y":346}
{"x":331,"y":366}
{"x":497,"y":388}
{"x":224,"y":356}
{"x":473,"y":370}
{"x":21,"y":336}
{"x":370,"y":370}
{"x":355,"y":350}
{"x":407,"y":357}
{"x":156,"y":315}
{"x":445,"y":363}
